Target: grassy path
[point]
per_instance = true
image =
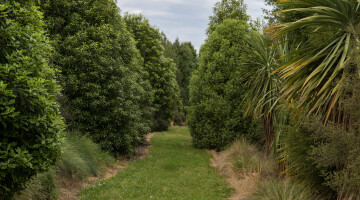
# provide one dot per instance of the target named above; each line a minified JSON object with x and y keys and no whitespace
{"x":172,"y":170}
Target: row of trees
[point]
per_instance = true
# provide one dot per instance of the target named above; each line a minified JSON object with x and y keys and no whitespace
{"x":298,"y":75}
{"x":79,"y":65}
{"x":184,"y":56}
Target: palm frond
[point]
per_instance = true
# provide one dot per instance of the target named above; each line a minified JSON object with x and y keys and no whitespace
{"x":315,"y":73}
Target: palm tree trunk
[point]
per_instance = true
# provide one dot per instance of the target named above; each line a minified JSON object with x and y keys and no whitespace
{"x":268,"y":124}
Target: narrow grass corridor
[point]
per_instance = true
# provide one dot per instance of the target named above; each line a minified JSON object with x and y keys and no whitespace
{"x":172,"y":170}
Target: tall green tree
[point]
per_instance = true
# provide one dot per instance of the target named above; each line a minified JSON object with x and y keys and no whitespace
{"x":160,"y":70}
{"x":215,"y":114}
{"x":227,"y":9}
{"x":104,"y":83}
{"x":30,"y":122}
{"x":185,"y":58}
{"x":274,"y":17}
{"x":315,"y":76}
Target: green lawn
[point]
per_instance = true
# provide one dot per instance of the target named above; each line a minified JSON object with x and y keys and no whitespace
{"x":172,"y":170}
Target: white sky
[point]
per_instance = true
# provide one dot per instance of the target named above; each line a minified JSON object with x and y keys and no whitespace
{"x":185,"y":19}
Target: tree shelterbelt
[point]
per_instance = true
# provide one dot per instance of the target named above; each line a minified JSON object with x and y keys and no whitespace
{"x":160,"y":70}
{"x":215,"y":115}
{"x":186,"y":60}
{"x":105,"y":91}
{"x":30,"y":122}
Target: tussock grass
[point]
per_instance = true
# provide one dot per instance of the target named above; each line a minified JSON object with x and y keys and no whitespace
{"x":41,"y":187}
{"x":81,"y":159}
{"x":282,"y":190}
{"x":246,"y":158}
{"x":256,"y":176}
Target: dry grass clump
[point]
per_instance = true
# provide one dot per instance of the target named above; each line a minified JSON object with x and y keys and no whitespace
{"x":254,"y":176}
{"x":282,"y":190}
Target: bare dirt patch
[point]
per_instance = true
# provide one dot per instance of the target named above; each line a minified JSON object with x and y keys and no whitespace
{"x":70,"y":188}
{"x":243,"y":183}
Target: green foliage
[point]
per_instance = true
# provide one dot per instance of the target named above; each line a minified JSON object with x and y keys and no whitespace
{"x":166,"y":95}
{"x":30,"y":123}
{"x":161,"y":71}
{"x":316,"y":73}
{"x":186,"y":61}
{"x":297,"y":144}
{"x":262,"y":86}
{"x":185,"y":58}
{"x":104,"y":83}
{"x":227,"y":9}
{"x":324,"y":156}
{"x":274,"y":17}
{"x":81,"y":158}
{"x":215,"y":114}
{"x":337,"y":154}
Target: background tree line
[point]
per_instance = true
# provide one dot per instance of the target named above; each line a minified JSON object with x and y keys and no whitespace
{"x":79,"y":66}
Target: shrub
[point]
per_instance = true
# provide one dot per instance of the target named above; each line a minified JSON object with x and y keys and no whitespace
{"x":215,"y":114}
{"x":324,"y":157}
{"x":297,"y":143}
{"x":337,"y":155}
{"x":30,"y":123}
{"x":104,"y":83}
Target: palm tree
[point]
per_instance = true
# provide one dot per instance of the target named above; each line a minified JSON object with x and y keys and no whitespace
{"x":262,"y":94}
{"x":314,"y":78}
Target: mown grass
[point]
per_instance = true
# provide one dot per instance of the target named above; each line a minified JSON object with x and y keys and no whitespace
{"x":172,"y":170}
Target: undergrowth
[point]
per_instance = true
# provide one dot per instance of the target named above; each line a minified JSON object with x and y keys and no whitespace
{"x":278,"y":189}
{"x":81,"y":158}
{"x":248,"y":162}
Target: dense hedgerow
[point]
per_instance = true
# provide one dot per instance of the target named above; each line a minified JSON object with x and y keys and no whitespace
{"x":106,"y":93}
{"x":30,"y":123}
{"x":161,"y":71}
{"x":215,"y":114}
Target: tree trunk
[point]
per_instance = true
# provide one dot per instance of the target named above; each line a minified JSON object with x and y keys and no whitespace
{"x":268,"y":124}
